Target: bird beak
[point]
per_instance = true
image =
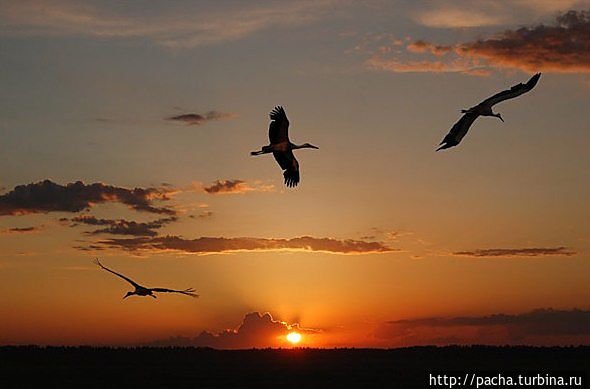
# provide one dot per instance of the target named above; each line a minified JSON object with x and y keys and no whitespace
{"x":501,"y":119}
{"x":314,"y":147}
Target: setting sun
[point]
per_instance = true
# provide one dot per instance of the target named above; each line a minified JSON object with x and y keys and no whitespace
{"x":294,"y":337}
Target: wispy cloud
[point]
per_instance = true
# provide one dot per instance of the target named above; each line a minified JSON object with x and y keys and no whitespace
{"x":518,"y":252}
{"x":257,"y":330}
{"x":122,"y":226}
{"x":563,"y":47}
{"x":47,"y":196}
{"x":236,"y":187}
{"x":422,"y":46}
{"x":195,"y":25}
{"x":219,"y":245}
{"x":387,"y":53}
{"x":458,"y":18}
{"x":482,"y":13}
{"x":21,"y":230}
{"x":196,"y":119}
{"x":537,"y":327}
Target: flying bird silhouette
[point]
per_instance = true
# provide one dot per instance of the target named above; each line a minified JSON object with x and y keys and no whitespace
{"x":142,"y":290}
{"x":459,"y":130}
{"x":281,"y":147}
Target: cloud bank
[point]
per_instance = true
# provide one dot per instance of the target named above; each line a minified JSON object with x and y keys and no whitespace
{"x":537,"y":327}
{"x":563,"y":47}
{"x":47,"y":196}
{"x":524,"y":252}
{"x":122,"y":226}
{"x":216,"y":245}
{"x":256,"y":331}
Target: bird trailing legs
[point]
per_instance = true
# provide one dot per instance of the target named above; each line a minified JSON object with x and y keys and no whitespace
{"x":264,"y":150}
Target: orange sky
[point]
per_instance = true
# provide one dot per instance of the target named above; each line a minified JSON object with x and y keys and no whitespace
{"x":384,"y":243}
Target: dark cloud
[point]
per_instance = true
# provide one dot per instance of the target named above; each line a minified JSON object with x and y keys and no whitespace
{"x":563,"y":47}
{"x":90,"y":248}
{"x":524,"y":252}
{"x":47,"y":196}
{"x":20,"y":230}
{"x":202,"y":215}
{"x":235,"y":186}
{"x":209,"y":245}
{"x":538,"y":327}
{"x":196,"y":119}
{"x":123,"y":227}
{"x":256,"y":331}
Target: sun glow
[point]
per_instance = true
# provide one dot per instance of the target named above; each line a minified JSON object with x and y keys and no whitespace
{"x":294,"y":337}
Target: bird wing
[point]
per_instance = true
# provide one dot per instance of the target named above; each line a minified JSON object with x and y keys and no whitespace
{"x":188,"y":292}
{"x":289,"y":164}
{"x":135,"y":284}
{"x":278,"y":131}
{"x":513,"y":92}
{"x":458,"y":131}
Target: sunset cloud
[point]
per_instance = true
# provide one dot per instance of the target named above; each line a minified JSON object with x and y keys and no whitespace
{"x":213,"y":245}
{"x":457,"y":18}
{"x":256,"y":331}
{"x":537,"y":327}
{"x":196,"y":119}
{"x":194,"y":26}
{"x":391,"y":55}
{"x":422,"y":46}
{"x":563,"y":47}
{"x":236,"y":187}
{"x":47,"y":196}
{"x":522,"y":252}
{"x":482,"y":13}
{"x":122,"y":226}
{"x":425,"y":66}
{"x":20,"y":230}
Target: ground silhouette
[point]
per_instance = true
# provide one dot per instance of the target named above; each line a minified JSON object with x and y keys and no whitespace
{"x":90,"y":367}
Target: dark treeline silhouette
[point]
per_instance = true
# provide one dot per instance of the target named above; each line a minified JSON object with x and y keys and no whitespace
{"x":90,"y":367}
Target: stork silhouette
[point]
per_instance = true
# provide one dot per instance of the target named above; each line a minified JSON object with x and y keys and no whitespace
{"x":142,"y":290}
{"x":459,"y":130}
{"x":281,"y":147}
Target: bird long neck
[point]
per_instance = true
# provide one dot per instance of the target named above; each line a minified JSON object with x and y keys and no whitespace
{"x":303,"y":146}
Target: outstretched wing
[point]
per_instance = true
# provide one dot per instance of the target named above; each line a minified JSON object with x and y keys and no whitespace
{"x":289,"y":164}
{"x":135,"y":284}
{"x":188,"y":292}
{"x":278,"y":131}
{"x":513,"y":92}
{"x":459,"y":130}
